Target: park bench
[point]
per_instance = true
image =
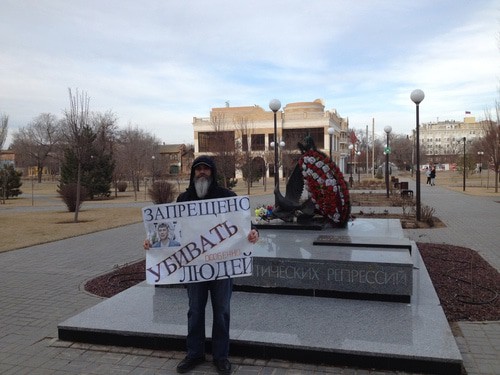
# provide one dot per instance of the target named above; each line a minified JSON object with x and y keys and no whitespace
{"x":405,"y":191}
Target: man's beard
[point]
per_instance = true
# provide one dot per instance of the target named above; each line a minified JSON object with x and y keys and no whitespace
{"x":201,"y":184}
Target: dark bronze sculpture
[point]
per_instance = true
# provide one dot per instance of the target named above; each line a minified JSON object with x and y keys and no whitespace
{"x":328,"y":193}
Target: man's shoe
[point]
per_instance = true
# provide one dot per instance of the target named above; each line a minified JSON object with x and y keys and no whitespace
{"x":187,"y":364}
{"x":223,"y":366}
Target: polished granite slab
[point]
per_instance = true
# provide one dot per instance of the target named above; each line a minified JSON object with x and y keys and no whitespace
{"x":413,"y":337}
{"x":369,"y":259}
{"x":299,"y":244}
{"x":384,"y":242}
{"x":362,"y":227}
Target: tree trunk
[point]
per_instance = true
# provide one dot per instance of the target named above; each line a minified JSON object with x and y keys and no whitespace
{"x":39,"y":173}
{"x":135,"y":187}
{"x":496,"y":180}
{"x":4,"y":183}
{"x":78,"y":191}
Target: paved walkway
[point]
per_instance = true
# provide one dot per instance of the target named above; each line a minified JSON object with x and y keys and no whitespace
{"x":41,"y":286}
{"x":472,"y":222}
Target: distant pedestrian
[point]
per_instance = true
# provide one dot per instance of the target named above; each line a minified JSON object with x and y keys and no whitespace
{"x":428,"y":174}
{"x":433,"y":176}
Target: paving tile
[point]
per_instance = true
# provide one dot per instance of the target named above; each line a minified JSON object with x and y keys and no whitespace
{"x":34,"y":302}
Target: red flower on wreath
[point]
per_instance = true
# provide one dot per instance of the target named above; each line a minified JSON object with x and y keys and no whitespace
{"x":326,"y":186}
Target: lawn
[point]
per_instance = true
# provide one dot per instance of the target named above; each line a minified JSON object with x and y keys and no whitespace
{"x":40,"y":213}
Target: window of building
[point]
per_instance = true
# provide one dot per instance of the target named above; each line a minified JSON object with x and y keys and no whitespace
{"x":258,"y":142}
{"x":292,"y":136}
{"x":214,"y":141}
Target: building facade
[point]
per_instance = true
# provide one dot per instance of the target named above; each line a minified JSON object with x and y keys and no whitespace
{"x":250,"y":130}
{"x":175,"y":159}
{"x":7,"y":158}
{"x":442,"y":141}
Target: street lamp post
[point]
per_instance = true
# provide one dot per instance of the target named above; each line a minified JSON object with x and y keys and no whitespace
{"x":464,"y":141}
{"x":153,"y":160}
{"x":417,"y":96}
{"x":357,"y":165}
{"x":387,"y":151}
{"x":481,"y":153}
{"x":330,"y":132}
{"x":351,"y":148}
{"x":275,"y":105}
{"x":280,"y":146}
{"x":413,"y":153}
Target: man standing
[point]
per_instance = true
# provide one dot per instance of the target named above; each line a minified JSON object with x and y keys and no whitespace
{"x":203,"y":185}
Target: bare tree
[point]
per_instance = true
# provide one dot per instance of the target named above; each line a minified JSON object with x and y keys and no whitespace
{"x":244,"y":157}
{"x":77,"y":127}
{"x":134,"y":151}
{"x":36,"y":142}
{"x":378,"y":147}
{"x":105,"y":128}
{"x":187,"y":158}
{"x":222,"y":145}
{"x":4,"y":123}
{"x":490,"y":142}
{"x":401,"y":150}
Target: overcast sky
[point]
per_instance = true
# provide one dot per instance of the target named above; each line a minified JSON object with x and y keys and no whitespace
{"x":158,"y":63}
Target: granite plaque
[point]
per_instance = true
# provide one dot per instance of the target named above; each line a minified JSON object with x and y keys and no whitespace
{"x":289,"y":260}
{"x":380,"y":280}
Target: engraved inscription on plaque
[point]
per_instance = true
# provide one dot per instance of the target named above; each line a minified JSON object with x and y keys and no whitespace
{"x":356,"y":277}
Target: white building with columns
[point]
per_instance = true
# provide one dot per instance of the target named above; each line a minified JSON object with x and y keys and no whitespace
{"x":251,"y":128}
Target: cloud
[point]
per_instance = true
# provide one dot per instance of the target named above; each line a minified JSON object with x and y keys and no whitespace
{"x":160,"y":63}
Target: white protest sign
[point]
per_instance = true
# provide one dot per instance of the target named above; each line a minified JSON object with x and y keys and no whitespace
{"x":198,"y":240}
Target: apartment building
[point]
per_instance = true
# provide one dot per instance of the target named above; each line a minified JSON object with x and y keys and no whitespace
{"x":442,"y":141}
{"x":251,"y":128}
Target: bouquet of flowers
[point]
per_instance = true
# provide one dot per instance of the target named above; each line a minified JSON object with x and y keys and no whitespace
{"x":264,"y":212}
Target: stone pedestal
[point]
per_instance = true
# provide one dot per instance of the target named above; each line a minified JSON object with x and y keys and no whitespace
{"x":370,"y":259}
{"x":408,"y":337}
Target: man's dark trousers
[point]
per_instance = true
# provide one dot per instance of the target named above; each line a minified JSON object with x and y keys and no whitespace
{"x":220,"y":296}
